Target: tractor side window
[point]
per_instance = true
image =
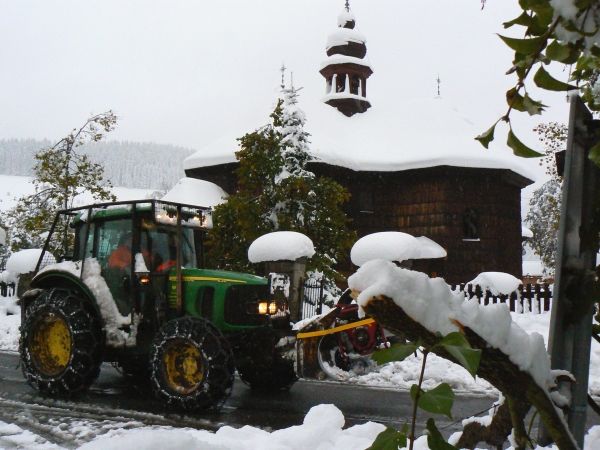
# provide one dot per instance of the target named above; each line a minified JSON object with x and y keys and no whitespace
{"x":115,"y":257}
{"x":84,"y":241}
{"x":113,"y":235}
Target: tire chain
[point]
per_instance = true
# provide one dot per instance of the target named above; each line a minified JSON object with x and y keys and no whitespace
{"x":218,"y":379}
{"x":87,"y":342}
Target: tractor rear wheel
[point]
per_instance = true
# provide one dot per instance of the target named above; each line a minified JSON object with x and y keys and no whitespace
{"x":61,"y":343}
{"x":191,"y":364}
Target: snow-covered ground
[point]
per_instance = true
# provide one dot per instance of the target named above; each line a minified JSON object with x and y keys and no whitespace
{"x":322,"y":427}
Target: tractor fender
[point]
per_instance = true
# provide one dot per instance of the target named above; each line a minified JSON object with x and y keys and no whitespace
{"x":58,"y":279}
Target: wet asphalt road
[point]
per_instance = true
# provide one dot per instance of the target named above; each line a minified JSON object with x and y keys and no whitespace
{"x":112,"y":403}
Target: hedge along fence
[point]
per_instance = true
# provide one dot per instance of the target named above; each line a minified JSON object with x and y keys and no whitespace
{"x":534,"y":298}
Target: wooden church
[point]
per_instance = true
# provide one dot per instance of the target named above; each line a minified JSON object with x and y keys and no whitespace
{"x":410,"y":165}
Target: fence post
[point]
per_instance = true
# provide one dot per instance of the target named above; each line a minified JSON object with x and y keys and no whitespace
{"x":320,"y":304}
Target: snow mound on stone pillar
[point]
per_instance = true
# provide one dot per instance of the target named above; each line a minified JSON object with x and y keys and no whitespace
{"x":280,"y":246}
{"x":394,"y":246}
{"x":24,"y":261}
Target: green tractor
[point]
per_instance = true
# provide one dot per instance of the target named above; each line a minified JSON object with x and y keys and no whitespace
{"x":130,"y":288}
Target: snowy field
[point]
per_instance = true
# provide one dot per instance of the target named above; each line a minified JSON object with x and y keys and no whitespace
{"x":13,"y":187}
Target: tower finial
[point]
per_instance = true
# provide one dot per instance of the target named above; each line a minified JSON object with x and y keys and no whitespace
{"x":439,"y":82}
{"x":348,"y":5}
{"x":282,"y":76}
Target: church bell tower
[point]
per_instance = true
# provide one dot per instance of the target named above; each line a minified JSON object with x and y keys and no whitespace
{"x":346,"y":68}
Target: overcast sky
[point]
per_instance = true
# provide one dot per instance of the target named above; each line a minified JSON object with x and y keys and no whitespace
{"x":184,"y":72}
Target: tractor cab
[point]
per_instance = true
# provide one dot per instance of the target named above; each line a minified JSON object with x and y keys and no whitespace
{"x":136,"y":245}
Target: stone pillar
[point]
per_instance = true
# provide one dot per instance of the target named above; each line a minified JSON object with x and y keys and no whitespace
{"x":295,"y":271}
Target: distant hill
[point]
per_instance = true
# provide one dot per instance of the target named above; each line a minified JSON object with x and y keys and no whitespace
{"x":129,"y":164}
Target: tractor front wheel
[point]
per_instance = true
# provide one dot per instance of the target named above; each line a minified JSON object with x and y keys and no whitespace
{"x":191,"y":364}
{"x":61,"y":343}
{"x":262,"y":362}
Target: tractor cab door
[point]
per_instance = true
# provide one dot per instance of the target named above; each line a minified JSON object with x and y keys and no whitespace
{"x":113,"y":250}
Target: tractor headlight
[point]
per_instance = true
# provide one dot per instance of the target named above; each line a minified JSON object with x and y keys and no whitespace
{"x":263,"y":307}
{"x":267,"y":308}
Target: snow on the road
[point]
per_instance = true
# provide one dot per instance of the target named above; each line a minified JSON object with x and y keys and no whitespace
{"x":322,"y":429}
{"x":13,"y":436}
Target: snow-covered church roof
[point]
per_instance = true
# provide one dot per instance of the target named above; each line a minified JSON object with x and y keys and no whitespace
{"x":394,"y":135}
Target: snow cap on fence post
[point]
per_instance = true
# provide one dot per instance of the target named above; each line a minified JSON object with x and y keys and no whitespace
{"x":498,"y":283}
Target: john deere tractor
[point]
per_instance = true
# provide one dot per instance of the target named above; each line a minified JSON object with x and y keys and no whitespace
{"x":130,"y":288}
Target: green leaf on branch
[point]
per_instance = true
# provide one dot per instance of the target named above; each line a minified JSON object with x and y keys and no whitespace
{"x":515,"y":100}
{"x":546,"y":81}
{"x":439,"y":400}
{"x":566,"y":54}
{"x":595,"y":154}
{"x":532,"y":106}
{"x":524,"y":19}
{"x":528,"y":46}
{"x":397,"y":352}
{"x":457,"y":345}
{"x":435,"y":440}
{"x":519,"y":148}
{"x":389,"y":439}
{"x":487,"y":136}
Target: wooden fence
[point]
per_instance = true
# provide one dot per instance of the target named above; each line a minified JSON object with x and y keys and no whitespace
{"x":534,"y":298}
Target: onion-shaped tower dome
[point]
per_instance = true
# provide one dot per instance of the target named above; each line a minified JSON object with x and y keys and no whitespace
{"x":346,"y":69}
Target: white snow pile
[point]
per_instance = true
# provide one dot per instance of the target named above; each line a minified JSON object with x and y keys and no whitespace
{"x":322,"y":429}
{"x":344,"y":59}
{"x":430,"y":302}
{"x":24,"y":261}
{"x":345,"y":16}
{"x":394,"y":246}
{"x":280,"y":246}
{"x":342,"y":36}
{"x":92,"y":278}
{"x":498,"y":283}
{"x":192,"y":191}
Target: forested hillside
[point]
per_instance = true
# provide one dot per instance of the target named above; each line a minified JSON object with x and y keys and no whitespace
{"x":128,"y":164}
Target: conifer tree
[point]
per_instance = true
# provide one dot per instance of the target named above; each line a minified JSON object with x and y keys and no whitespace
{"x":277,"y":192}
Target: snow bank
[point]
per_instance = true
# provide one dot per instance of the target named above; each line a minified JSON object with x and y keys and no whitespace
{"x":280,"y":246}
{"x":322,"y":429}
{"x":24,"y":261}
{"x":496,"y":282}
{"x":394,"y":246}
{"x":192,"y":191}
{"x":430,"y":302}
